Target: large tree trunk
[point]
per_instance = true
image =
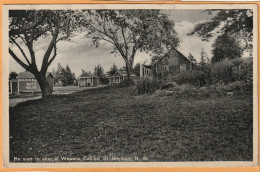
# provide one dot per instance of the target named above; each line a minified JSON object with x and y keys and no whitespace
{"x":128,"y":70}
{"x":44,"y":85}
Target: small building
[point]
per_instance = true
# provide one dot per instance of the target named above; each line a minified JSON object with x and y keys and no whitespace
{"x":26,"y":82}
{"x":118,"y":77}
{"x":171,"y":63}
{"x":88,"y":80}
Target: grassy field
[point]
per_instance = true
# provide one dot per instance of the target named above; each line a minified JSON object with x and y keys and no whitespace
{"x":14,"y":99}
{"x":113,"y":124}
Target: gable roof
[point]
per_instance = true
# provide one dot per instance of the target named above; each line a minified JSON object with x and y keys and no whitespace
{"x":49,"y":74}
{"x":178,"y":51}
{"x":122,"y":73}
{"x":175,"y":49}
{"x":29,"y":75}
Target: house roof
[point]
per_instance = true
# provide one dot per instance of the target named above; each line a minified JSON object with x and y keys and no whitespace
{"x":173,"y":48}
{"x":23,"y":75}
{"x":122,"y":73}
{"x":182,"y":54}
{"x":87,"y":75}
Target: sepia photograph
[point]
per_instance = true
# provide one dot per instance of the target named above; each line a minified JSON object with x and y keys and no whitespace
{"x":130,"y":84}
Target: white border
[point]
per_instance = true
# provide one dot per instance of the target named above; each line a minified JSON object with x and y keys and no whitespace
{"x":5,"y":63}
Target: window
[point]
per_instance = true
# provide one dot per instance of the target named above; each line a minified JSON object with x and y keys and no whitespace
{"x":183,"y":67}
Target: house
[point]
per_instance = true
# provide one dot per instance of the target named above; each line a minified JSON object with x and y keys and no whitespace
{"x":26,"y":82}
{"x":118,"y":77}
{"x":171,"y":63}
{"x":88,"y":80}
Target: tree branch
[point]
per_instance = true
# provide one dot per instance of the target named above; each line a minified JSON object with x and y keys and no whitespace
{"x":100,"y":31}
{"x":49,"y":50}
{"x":29,"y":44}
{"x":54,"y":54}
{"x":133,"y":54}
{"x":20,"y":48}
{"x":18,"y":60}
{"x":32,"y":53}
{"x":126,"y":47}
{"x":22,"y":39}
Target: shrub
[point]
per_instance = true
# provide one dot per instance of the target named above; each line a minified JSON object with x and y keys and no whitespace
{"x":145,"y":86}
{"x":196,"y":77}
{"x":213,"y":91}
{"x":241,"y":87}
{"x":222,"y":72}
{"x":231,"y":70}
{"x":126,"y":83}
{"x":243,"y":71}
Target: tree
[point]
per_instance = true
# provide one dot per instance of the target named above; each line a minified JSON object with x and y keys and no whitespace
{"x":64,"y":75}
{"x":137,"y":70}
{"x":27,"y":27}
{"x":236,"y":22}
{"x":205,"y":68}
{"x":13,"y":75}
{"x":130,"y":31}
{"x":192,"y":59}
{"x":203,"y":57}
{"x":99,"y":71}
{"x":69,"y":76}
{"x":113,"y":69}
{"x":226,"y":47}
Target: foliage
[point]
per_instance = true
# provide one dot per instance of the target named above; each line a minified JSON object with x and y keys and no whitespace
{"x":137,"y":70}
{"x":210,"y":91}
{"x":162,"y":72}
{"x":195,"y":77}
{"x":147,"y":86}
{"x":204,"y":59}
{"x":13,"y":75}
{"x":236,"y":21}
{"x":126,"y":83}
{"x":64,"y":76}
{"x":99,"y":72}
{"x":243,"y":70}
{"x":225,"y":47}
{"x":224,"y":72}
{"x":113,"y":70}
{"x":191,"y":58}
{"x":130,"y":31}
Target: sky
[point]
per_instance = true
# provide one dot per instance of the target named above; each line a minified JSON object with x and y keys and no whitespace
{"x":79,"y":54}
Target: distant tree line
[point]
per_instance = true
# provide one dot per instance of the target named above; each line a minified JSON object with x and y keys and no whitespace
{"x":63,"y":76}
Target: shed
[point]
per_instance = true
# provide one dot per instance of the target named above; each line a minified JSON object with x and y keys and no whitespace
{"x":88,"y":80}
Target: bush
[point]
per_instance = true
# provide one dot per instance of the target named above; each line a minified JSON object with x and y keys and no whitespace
{"x":147,"y":86}
{"x":243,"y":70}
{"x":241,"y":87}
{"x":222,"y":72}
{"x":231,"y":70}
{"x":126,"y":83}
{"x":196,"y":78}
{"x":213,"y":91}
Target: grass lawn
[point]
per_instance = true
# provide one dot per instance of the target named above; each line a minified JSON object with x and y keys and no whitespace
{"x":113,"y":122}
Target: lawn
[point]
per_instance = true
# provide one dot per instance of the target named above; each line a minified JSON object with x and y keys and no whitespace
{"x":114,"y":124}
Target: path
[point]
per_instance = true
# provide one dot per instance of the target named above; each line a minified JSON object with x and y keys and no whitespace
{"x":13,"y":101}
